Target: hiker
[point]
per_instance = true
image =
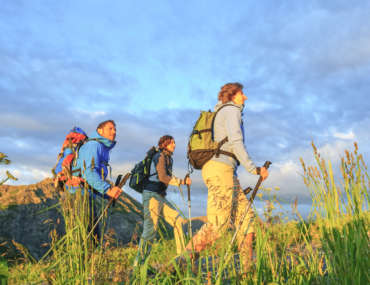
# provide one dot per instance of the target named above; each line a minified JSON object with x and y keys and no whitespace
{"x":226,"y":201}
{"x":92,"y":166}
{"x":154,"y":202}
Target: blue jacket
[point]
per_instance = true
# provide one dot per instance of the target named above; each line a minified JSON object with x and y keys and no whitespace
{"x":93,"y":158}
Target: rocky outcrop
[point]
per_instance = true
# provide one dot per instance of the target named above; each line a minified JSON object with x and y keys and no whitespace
{"x":29,"y":213}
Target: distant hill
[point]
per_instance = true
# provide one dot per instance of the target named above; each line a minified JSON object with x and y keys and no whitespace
{"x":29,"y":212}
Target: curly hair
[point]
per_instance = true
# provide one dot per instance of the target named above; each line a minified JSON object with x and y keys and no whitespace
{"x":228,"y":91}
{"x":164,"y":141}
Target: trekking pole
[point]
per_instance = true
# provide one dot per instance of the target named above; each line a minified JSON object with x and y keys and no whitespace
{"x":266,"y":165}
{"x":120,"y":183}
{"x":246,"y":191}
{"x":190,"y":229}
{"x":189,"y":208}
{"x":118,"y":180}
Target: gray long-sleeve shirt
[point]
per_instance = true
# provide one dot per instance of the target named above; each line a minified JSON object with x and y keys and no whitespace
{"x":228,"y":123}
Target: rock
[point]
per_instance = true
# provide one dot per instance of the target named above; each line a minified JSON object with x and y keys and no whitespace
{"x":28,"y":214}
{"x":196,"y":224}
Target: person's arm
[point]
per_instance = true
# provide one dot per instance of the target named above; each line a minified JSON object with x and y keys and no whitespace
{"x":162,"y":173}
{"x":92,"y":174}
{"x":235,"y":138}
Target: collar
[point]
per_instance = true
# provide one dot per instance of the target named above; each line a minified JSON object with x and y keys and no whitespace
{"x":167,"y":152}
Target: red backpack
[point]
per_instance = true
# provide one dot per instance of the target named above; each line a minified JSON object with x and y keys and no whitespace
{"x":62,"y":171}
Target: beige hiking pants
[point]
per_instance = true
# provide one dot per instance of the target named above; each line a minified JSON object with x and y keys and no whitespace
{"x":156,"y":206}
{"x":225,"y":207}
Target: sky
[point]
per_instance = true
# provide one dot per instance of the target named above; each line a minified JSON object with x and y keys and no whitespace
{"x":152,"y":66}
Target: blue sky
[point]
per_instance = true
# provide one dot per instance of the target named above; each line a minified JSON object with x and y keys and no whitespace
{"x":152,"y":66}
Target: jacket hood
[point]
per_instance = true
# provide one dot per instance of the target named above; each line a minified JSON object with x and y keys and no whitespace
{"x":106,"y":142}
{"x":219,"y":105}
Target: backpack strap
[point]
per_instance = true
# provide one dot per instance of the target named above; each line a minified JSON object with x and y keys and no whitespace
{"x":224,"y":140}
{"x":220,"y":151}
{"x":214,"y":117}
{"x":150,"y":155}
{"x":199,"y":132}
{"x":77,"y":173}
{"x":93,"y":139}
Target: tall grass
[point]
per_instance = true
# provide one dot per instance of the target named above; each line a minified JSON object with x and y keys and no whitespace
{"x":331,"y":247}
{"x":74,"y":257}
{"x":4,"y":272}
{"x":75,"y":254}
{"x":342,"y":215}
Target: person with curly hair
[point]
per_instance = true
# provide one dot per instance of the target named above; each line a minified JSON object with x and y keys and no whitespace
{"x":154,"y":202}
{"x":226,"y":201}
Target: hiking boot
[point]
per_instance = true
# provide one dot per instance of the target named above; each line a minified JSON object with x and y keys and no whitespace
{"x":151,"y":271}
{"x":182,"y":260}
{"x":194,"y":256}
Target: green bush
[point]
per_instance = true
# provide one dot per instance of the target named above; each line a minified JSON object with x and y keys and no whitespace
{"x":4,"y":272}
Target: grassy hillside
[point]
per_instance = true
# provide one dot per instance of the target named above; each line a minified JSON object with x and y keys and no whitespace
{"x":331,"y":247}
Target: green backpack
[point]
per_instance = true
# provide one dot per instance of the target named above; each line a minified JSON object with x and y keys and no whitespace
{"x":201,"y":145}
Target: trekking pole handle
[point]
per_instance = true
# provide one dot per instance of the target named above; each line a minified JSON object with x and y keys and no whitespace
{"x":111,"y":200}
{"x":124,"y":179}
{"x":265,"y":165}
{"x":120,"y":182}
{"x":187,"y":185}
{"x":249,"y":189}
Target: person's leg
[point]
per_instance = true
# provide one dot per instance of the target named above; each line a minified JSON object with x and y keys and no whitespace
{"x":172,"y":216}
{"x":246,"y":247}
{"x":93,"y":218}
{"x":152,"y":209}
{"x":218,"y":178}
{"x":245,"y":222}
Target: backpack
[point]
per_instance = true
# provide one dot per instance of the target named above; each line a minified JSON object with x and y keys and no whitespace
{"x":141,"y":172}
{"x":201,"y":145}
{"x":62,"y":171}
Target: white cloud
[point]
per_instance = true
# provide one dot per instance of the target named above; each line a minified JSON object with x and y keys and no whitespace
{"x":334,"y":150}
{"x":287,"y":174}
{"x":260,"y":106}
{"x":92,"y":114}
{"x":288,"y":167}
{"x":28,"y":175}
{"x":345,"y":136}
{"x":21,"y":121}
{"x":21,"y":144}
{"x":122,"y":168}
